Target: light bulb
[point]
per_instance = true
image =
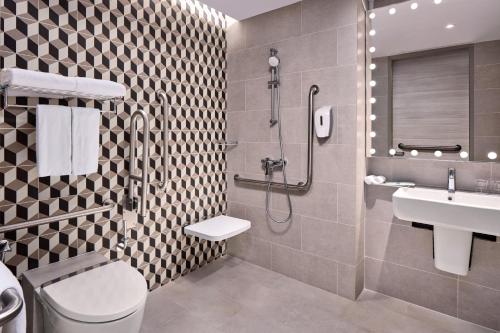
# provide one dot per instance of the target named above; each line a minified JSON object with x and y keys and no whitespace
{"x":373,"y":117}
{"x":414,"y":6}
{"x":372,"y":151}
{"x":464,"y":154}
{"x":392,"y":151}
{"x":372,"y":49}
{"x":373,"y":66}
{"x":373,"y":83}
{"x":437,"y":2}
{"x":372,"y":32}
{"x":392,"y":11}
{"x":450,"y":26}
{"x":438,"y":153}
{"x":373,"y":134}
{"x":372,"y":16}
{"x":373,"y":100}
{"x":414,"y":153}
{"x":492,"y":155}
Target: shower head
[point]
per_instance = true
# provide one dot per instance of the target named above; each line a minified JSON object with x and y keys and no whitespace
{"x":274,"y":61}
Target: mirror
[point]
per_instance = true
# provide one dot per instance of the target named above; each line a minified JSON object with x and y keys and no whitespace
{"x":433,"y":81}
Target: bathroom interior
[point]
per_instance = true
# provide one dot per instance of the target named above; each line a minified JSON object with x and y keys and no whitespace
{"x":249,"y":166}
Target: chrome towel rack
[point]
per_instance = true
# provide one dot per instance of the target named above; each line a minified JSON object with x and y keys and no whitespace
{"x":300,"y":186}
{"x":108,"y":205}
{"x":11,"y":305}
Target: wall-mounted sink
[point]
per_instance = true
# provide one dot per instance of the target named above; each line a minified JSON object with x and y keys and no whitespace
{"x":454,"y":221}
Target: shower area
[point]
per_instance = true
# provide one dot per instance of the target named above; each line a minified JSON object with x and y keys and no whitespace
{"x":302,"y":194}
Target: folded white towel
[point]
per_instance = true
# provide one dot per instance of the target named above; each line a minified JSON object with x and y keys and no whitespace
{"x":85,"y":140}
{"x":53,"y":140}
{"x":98,"y":88}
{"x":372,"y":179}
{"x":21,"y":81}
{"x":8,"y":280}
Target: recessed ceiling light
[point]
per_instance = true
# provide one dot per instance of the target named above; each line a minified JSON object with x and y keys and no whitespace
{"x":450,"y":26}
{"x":372,"y":16}
{"x":372,"y":49}
{"x":414,"y":6}
{"x":437,"y":2}
{"x":392,"y":11}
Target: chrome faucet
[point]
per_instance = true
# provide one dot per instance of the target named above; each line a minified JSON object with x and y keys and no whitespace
{"x":451,"y":182}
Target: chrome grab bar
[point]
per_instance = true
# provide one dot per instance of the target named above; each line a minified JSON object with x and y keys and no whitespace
{"x":133,"y":165}
{"x":444,"y":149}
{"x":166,"y":108}
{"x":108,"y":205}
{"x":12,"y":304}
{"x":300,"y":186}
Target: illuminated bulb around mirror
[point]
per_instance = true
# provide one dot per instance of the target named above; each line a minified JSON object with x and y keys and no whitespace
{"x":392,"y":151}
{"x":373,"y":66}
{"x":373,"y":134}
{"x":373,"y":117}
{"x":373,"y":83}
{"x":437,"y":2}
{"x":373,"y":100}
{"x":392,"y":11}
{"x":372,"y":49}
{"x":438,"y":153}
{"x":464,"y":154}
{"x":414,"y":6}
{"x":450,"y":26}
{"x":372,"y":32}
{"x":492,"y":155}
{"x":414,"y":153}
{"x":372,"y":16}
{"x":372,"y":151}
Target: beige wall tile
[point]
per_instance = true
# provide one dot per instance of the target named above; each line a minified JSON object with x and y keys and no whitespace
{"x":236,"y":36}
{"x":350,"y":280}
{"x":334,"y":163}
{"x":485,"y":264}
{"x":236,"y":96}
{"x":259,"y":96}
{"x":251,"y":249}
{"x":426,"y":289}
{"x":326,"y":14}
{"x":479,"y":305}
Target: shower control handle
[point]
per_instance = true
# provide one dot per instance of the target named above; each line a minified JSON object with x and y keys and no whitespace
{"x":269,"y":165}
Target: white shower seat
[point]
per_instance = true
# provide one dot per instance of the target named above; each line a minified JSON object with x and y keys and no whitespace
{"x":218,"y":228}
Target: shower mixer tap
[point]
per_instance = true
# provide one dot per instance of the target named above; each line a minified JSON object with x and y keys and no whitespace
{"x":269,"y":165}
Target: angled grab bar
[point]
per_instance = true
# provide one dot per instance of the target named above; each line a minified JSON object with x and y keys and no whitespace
{"x":166,"y":108}
{"x":131,"y":202}
{"x":11,"y":304}
{"x":300,"y":186}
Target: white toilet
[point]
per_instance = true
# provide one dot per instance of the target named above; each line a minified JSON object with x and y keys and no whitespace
{"x":106,"y":299}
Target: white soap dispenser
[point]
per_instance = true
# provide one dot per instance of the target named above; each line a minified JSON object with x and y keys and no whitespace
{"x":323,"y":121}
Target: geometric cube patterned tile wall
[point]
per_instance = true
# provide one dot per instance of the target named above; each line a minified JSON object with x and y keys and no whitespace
{"x":175,"y":46}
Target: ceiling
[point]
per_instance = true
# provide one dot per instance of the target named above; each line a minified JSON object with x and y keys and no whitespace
{"x":425,"y":27}
{"x":243,"y":9}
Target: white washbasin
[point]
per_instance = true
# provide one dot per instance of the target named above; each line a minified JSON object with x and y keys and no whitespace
{"x":475,"y":212}
{"x":454,"y":221}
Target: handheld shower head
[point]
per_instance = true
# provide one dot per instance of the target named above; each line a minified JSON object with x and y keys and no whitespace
{"x":274,"y":61}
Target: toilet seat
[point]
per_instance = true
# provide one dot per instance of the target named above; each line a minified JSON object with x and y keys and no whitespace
{"x":103,"y":294}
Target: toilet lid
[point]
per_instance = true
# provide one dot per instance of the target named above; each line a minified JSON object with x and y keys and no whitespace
{"x":106,"y":293}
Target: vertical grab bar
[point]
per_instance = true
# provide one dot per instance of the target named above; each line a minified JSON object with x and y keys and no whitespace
{"x":145,"y":161}
{"x":166,"y":108}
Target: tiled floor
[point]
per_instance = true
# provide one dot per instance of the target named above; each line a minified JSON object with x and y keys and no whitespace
{"x":231,"y":295}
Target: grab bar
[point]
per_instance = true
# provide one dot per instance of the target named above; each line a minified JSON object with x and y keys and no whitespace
{"x":444,"y":149}
{"x":108,"y":205}
{"x":300,"y":186}
{"x":166,"y":109}
{"x":12,"y":304}
{"x":131,"y":203}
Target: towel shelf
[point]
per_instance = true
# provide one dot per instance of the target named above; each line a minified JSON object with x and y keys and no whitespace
{"x":11,"y":305}
{"x":50,"y":94}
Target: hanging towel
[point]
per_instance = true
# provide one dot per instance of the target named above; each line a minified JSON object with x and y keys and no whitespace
{"x":8,"y":280}
{"x":53,"y":140}
{"x":97,"y":88}
{"x":21,"y":81}
{"x":85,"y":140}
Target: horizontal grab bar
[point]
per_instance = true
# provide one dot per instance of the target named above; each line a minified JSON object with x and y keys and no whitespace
{"x":108,"y":205}
{"x":444,"y":149}
{"x":299,"y":187}
{"x":12,"y":304}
